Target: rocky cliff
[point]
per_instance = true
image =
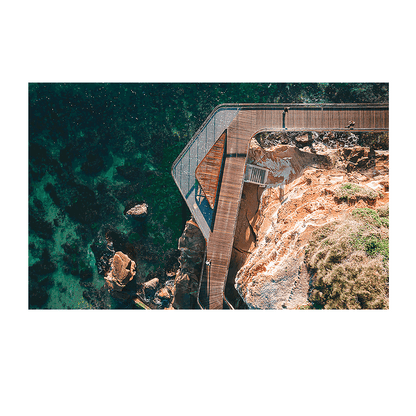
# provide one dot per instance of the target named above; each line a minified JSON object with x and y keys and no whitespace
{"x":315,"y":236}
{"x":314,"y":181}
{"x":192,"y":248}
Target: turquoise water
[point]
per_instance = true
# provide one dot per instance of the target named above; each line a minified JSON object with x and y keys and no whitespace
{"x":95,"y":149}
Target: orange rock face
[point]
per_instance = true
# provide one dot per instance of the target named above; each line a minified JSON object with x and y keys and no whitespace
{"x":275,"y":223}
{"x":122,"y":271}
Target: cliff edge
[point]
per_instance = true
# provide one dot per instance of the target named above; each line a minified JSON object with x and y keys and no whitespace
{"x":317,"y":234}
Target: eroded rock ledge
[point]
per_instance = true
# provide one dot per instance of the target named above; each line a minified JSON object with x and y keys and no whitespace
{"x":314,"y":179}
{"x":303,"y":193}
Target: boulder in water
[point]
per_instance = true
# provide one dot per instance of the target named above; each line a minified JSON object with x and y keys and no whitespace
{"x":123,"y":269}
{"x":138,"y":211}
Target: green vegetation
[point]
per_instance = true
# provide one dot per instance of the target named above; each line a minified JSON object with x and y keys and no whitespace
{"x":372,"y":245}
{"x":353,"y":191}
{"x":373,"y":217}
{"x":304,"y":307}
{"x":349,"y":262}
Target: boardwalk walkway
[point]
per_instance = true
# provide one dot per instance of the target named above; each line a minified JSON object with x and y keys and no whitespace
{"x":248,"y":120}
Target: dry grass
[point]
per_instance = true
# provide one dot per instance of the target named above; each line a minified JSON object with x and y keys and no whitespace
{"x":383,"y":211}
{"x":349,"y":263}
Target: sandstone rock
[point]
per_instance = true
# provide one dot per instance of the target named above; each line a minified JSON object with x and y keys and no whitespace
{"x":275,"y":223}
{"x":186,"y":289}
{"x":304,"y":140}
{"x":162,"y":299}
{"x":192,"y":247}
{"x":151,"y":284}
{"x":138,"y":211}
{"x":284,"y":162}
{"x":163,"y":293}
{"x":375,"y":185}
{"x":271,"y":272}
{"x":122,"y":271}
{"x":150,"y":287}
{"x":382,"y":161}
{"x":356,"y":153}
{"x":319,"y":148}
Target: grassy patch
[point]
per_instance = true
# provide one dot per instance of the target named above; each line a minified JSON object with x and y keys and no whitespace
{"x":373,"y":245}
{"x":371,"y":216}
{"x":348,"y":262}
{"x":349,"y":191}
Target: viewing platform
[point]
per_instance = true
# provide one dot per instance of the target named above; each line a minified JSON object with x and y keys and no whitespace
{"x":211,"y":170}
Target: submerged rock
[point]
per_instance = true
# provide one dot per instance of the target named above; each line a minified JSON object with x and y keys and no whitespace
{"x":93,"y":165}
{"x":38,"y":295}
{"x":42,"y":267}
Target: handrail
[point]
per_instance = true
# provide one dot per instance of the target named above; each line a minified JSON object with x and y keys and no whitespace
{"x":251,"y":106}
{"x":200,"y":278}
{"x":271,"y":106}
{"x":195,"y":136}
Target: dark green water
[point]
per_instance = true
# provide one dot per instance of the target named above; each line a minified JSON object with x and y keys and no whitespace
{"x":97,"y":149}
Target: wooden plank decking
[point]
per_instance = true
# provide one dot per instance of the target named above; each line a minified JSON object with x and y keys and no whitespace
{"x":209,"y":170}
{"x":249,"y":120}
{"x":220,"y":243}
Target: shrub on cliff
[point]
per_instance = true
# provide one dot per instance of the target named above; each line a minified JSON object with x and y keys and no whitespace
{"x":349,"y":191}
{"x":348,"y":261}
{"x":379,"y":218}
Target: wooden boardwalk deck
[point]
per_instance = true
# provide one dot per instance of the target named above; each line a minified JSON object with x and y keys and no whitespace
{"x":249,"y":120}
{"x":220,"y":243}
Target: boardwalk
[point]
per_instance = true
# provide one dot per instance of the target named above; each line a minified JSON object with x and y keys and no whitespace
{"x":218,"y":223}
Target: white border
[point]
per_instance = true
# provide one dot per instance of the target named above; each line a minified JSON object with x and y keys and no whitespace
{"x":24,"y":74}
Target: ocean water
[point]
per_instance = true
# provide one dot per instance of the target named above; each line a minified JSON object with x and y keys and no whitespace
{"x":97,"y":149}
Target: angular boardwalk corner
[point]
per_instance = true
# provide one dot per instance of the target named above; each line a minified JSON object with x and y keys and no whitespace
{"x":210,"y":170}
